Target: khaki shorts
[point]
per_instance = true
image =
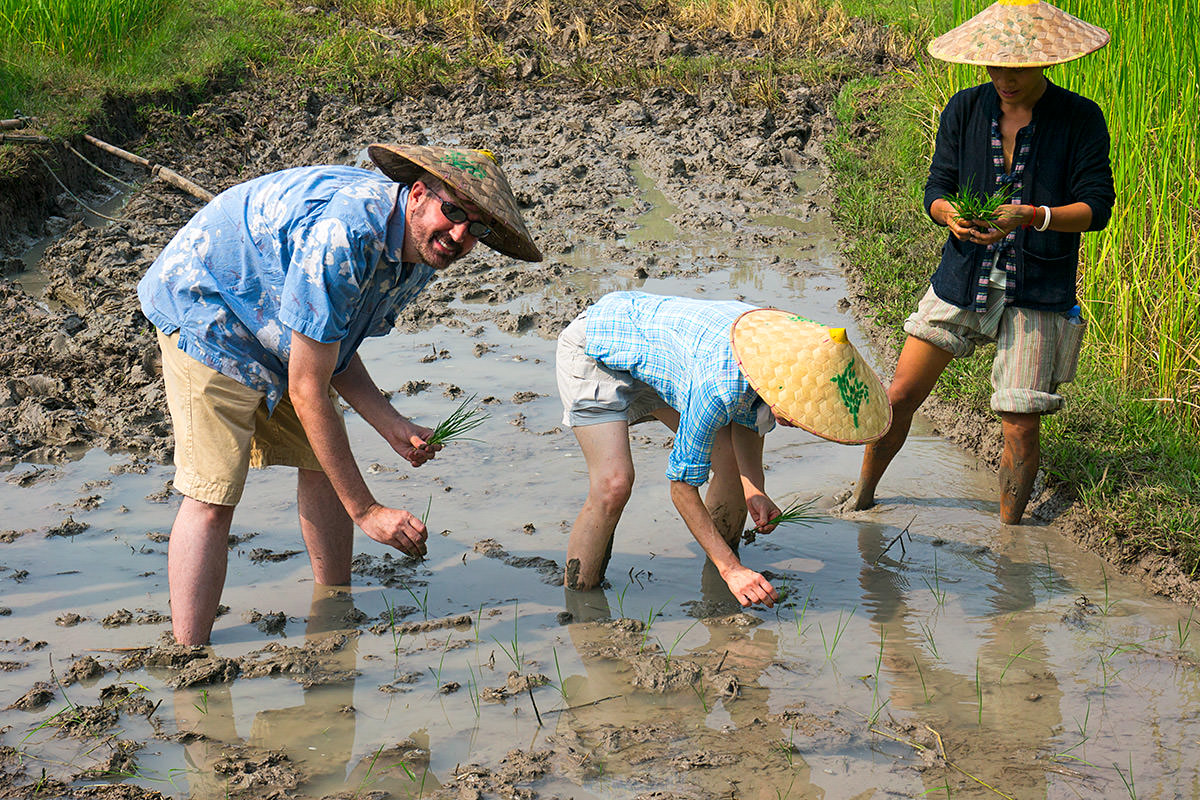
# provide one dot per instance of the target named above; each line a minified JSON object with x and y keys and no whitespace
{"x":1030,"y":347}
{"x":591,"y":392}
{"x":222,"y":429}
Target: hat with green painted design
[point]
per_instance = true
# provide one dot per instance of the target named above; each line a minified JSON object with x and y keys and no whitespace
{"x":811,"y":376}
{"x":474,"y":176}
{"x":1019,"y":33}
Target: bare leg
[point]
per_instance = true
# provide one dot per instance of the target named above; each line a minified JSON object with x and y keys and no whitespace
{"x":610,"y":480}
{"x":197,"y":555}
{"x":327,"y":529}
{"x":726,"y":497}
{"x":918,"y":369}
{"x":1018,"y":463}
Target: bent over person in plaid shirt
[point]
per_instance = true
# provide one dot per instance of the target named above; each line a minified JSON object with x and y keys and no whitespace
{"x":633,"y":356}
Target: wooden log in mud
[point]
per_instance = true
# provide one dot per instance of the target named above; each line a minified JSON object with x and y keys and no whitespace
{"x":24,"y":138}
{"x":157,"y":170}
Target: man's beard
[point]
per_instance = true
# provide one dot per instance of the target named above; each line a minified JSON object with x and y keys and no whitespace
{"x":436,"y":257}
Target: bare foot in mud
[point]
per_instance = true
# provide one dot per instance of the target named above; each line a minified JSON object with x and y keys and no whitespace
{"x":849,"y":500}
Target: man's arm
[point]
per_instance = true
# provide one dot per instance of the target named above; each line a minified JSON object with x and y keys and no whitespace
{"x":310,"y":369}
{"x":747,"y":586}
{"x":357,"y":388}
{"x":747,"y":449}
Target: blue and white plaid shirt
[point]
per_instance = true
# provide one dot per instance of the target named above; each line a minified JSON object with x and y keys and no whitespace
{"x":309,"y":249}
{"x":681,"y":348}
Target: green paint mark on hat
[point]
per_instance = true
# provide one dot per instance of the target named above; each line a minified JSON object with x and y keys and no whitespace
{"x":460,"y":160}
{"x":852,"y":391}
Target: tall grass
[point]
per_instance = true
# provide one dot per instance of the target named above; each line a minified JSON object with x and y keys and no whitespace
{"x":1139,"y":277}
{"x":83,"y":31}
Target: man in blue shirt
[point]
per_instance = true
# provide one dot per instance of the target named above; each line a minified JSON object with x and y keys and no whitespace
{"x":261,"y":302}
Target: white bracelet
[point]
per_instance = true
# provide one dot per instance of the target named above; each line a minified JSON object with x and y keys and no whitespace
{"x":1046,"y":222}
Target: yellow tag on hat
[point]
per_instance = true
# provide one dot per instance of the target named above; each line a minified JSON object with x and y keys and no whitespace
{"x":811,"y":376}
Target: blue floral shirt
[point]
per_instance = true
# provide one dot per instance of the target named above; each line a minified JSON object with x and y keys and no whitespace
{"x":680,"y":347}
{"x":311,"y":249}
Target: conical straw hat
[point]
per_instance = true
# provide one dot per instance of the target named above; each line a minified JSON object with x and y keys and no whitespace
{"x":474,"y":175}
{"x":1019,"y":33}
{"x":811,"y":376}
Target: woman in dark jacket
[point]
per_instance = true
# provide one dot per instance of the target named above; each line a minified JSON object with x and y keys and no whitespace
{"x":1011,"y":280}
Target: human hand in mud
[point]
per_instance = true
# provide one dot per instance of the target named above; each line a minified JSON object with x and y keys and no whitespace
{"x":762,"y":510}
{"x":395,"y":527}
{"x":749,"y":587}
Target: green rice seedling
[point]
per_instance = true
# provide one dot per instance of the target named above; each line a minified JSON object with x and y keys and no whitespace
{"x":650,"y":617}
{"x":422,"y":602}
{"x":473,"y":690}
{"x":514,"y":655}
{"x":798,"y":512}
{"x":1108,"y":602}
{"x":669,"y":652}
{"x":800,"y":626}
{"x":562,"y":686}
{"x":1082,"y":726}
{"x":621,"y":598}
{"x":397,"y":634}
{"x":979,"y":694}
{"x":1011,"y":658}
{"x":437,"y":675}
{"x":831,"y":642}
{"x":935,"y":586}
{"x":701,"y":693}
{"x":972,"y":206}
{"x":927,"y":633}
{"x":202,"y":706}
{"x":1127,"y":779}
{"x":921,"y":675}
{"x":461,"y":421}
{"x":366,"y":778}
{"x":428,"y":507}
{"x":1183,"y":629}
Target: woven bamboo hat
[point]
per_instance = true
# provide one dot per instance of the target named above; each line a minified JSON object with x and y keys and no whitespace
{"x":811,"y":376}
{"x":474,"y":175}
{"x":1019,"y":33}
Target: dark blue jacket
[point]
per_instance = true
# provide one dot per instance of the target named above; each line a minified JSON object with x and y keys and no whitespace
{"x":1068,"y":163}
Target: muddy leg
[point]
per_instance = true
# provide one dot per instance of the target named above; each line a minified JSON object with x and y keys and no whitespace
{"x":1018,"y":463}
{"x":918,"y":369}
{"x":610,"y":480}
{"x":725,"y":497}
{"x":327,"y":529}
{"x":197,"y":555}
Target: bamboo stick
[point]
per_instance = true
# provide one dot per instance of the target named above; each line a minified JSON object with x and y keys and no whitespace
{"x":9,"y":124}
{"x":24,"y":138}
{"x":157,"y":170}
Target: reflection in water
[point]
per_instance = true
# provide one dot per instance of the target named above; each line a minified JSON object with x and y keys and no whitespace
{"x":1010,"y":694}
{"x":316,"y":737}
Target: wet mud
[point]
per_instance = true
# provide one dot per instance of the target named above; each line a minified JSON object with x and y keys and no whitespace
{"x":920,"y":649}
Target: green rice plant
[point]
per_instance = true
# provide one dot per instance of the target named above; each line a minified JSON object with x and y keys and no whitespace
{"x":461,"y":421}
{"x":422,"y":601}
{"x":927,"y":634}
{"x":797,"y":512}
{"x":397,"y":634}
{"x":1183,"y":629}
{"x":972,"y":206}
{"x":669,"y":652}
{"x":82,"y":31}
{"x":202,"y":706}
{"x":1011,"y":658}
{"x":473,"y":690}
{"x":921,"y":675}
{"x":702,"y":694}
{"x":366,"y":779}
{"x":1127,"y":780}
{"x":514,"y":655}
{"x":1082,"y":726}
{"x":562,"y":686}
{"x":831,"y":642}
{"x":800,"y":626}
{"x":935,"y":586}
{"x":979,"y":694}
{"x":437,"y":674}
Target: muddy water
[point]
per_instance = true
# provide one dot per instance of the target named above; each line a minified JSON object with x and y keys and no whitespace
{"x":922,"y":649}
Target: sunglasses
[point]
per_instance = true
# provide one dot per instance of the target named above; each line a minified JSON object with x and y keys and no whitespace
{"x":457,"y":214}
